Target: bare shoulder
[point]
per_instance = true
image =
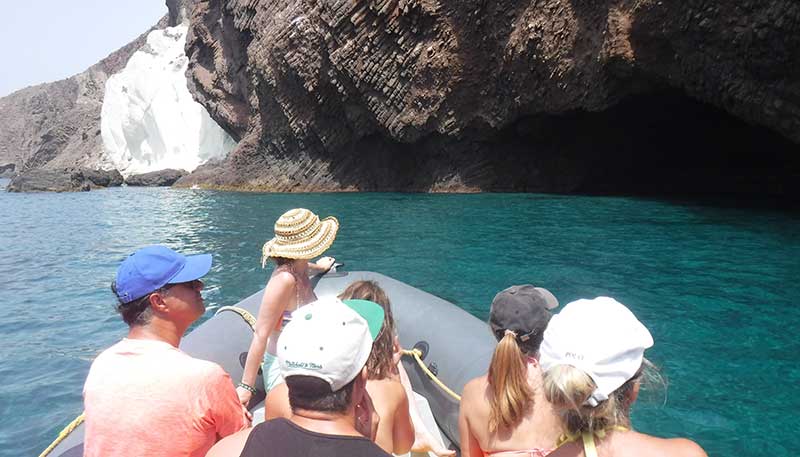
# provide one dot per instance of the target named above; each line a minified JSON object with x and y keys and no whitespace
{"x":231,"y":445}
{"x":388,"y":390}
{"x":679,"y":447}
{"x":282,"y":279}
{"x":474,"y":389}
{"x":685,"y":448}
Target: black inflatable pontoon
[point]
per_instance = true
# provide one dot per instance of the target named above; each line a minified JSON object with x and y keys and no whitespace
{"x":455,"y":346}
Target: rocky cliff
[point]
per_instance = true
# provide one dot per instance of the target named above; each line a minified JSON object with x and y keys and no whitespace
{"x":504,"y":95}
{"x":57,"y":125}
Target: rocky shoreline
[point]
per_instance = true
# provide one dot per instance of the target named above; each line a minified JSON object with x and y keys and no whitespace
{"x":86,"y":179}
{"x":623,"y":97}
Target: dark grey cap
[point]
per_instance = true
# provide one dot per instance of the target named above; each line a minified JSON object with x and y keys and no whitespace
{"x":525,"y":310}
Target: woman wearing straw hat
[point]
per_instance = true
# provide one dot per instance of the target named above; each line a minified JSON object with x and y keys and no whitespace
{"x":300,"y":236}
{"x":592,"y":356}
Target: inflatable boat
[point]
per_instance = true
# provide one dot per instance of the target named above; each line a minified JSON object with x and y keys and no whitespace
{"x":446,"y":347}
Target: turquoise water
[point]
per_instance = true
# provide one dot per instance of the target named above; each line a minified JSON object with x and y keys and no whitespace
{"x":717,"y":286}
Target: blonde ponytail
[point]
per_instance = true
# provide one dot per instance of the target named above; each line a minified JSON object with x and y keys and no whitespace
{"x":510,"y":394}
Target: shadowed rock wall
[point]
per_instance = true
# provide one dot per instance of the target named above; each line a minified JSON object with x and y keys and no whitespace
{"x":418,"y":94}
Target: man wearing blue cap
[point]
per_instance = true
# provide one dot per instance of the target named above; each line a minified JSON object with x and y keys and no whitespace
{"x":144,"y":396}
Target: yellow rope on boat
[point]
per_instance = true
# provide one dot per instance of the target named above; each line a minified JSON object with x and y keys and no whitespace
{"x":417,"y":355}
{"x":245,"y":314}
{"x":64,"y":433}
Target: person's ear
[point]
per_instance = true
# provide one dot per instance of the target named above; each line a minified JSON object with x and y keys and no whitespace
{"x":157,"y":303}
{"x":634,"y":392}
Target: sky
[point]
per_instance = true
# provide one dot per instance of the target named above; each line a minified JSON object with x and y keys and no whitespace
{"x":47,"y":40}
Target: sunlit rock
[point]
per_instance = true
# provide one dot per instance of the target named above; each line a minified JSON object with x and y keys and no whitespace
{"x":149,"y":120}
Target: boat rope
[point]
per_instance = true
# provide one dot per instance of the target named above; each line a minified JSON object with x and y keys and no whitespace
{"x":64,"y":433}
{"x":243,"y":313}
{"x":417,"y":355}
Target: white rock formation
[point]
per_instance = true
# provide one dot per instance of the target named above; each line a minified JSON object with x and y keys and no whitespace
{"x":149,"y":120}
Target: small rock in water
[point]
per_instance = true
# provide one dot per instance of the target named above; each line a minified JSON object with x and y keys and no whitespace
{"x":47,"y":181}
{"x":155,"y":178}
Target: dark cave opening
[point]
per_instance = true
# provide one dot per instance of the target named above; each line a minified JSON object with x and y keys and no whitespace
{"x":661,"y":144}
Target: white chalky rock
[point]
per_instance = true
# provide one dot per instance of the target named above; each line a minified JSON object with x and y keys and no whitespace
{"x":149,"y":120}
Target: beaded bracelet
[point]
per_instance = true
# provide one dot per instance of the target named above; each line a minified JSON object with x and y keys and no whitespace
{"x":246,"y":387}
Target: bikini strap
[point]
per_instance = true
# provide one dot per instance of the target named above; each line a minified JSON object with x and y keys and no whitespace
{"x":588,"y":439}
{"x":588,"y":445}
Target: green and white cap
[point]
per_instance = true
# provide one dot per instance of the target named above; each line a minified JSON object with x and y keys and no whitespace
{"x":329,"y":339}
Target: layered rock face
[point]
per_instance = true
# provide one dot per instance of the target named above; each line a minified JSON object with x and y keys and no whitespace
{"x":468,"y":94}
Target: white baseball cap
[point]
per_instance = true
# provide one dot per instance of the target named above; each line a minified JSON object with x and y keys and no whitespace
{"x":329,"y":339}
{"x":602,"y":338}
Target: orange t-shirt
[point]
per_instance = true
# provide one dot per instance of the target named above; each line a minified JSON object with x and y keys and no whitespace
{"x":148,"y":398}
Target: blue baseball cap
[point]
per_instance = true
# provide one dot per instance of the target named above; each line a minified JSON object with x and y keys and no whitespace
{"x":152,"y":267}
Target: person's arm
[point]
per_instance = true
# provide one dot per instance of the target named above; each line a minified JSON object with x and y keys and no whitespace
{"x":321,"y":266}
{"x":222,"y":406}
{"x":469,"y":443}
{"x":277,"y":295}
{"x":403,"y":430}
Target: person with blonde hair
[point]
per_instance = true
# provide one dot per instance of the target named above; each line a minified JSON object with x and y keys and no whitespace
{"x":592,"y":356}
{"x":300,"y":236}
{"x":505,"y":413}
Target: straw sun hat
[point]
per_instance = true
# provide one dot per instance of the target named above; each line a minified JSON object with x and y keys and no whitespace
{"x":300,"y":234}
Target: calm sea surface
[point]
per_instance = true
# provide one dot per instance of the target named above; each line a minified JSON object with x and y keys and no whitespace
{"x":718,"y":286}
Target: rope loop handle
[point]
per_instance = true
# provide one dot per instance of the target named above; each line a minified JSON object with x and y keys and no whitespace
{"x":243,"y":313}
{"x":417,"y":355}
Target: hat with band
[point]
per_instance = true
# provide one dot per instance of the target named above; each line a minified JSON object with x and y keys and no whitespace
{"x":602,"y":338}
{"x":153,"y":267}
{"x":300,"y":234}
{"x":329,"y":339}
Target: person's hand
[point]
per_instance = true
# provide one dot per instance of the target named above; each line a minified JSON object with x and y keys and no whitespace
{"x":424,"y":443}
{"x":325,"y":263}
{"x":248,"y":415}
{"x":367,"y":418}
{"x":397,"y":350}
{"x":244,"y":396}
